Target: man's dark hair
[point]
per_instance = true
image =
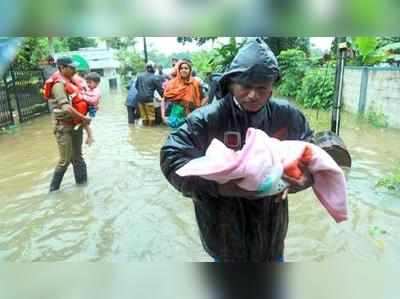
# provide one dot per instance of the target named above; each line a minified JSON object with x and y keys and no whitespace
{"x":174,"y":61}
{"x":150,"y":67}
{"x":93,"y":76}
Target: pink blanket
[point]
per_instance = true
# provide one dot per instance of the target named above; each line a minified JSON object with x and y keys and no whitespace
{"x":261,"y":162}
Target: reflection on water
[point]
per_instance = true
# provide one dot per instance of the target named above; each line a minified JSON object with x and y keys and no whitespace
{"x":128,"y":212}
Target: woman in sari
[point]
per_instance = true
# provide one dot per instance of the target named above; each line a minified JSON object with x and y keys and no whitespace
{"x":182,"y":95}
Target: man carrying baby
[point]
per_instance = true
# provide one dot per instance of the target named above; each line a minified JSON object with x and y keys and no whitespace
{"x":238,"y":225}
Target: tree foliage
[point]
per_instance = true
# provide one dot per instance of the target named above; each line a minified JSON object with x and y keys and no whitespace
{"x":317,"y":88}
{"x":373,"y":50}
{"x":304,"y":79}
{"x":367,"y":52}
{"x":202,"y":62}
{"x":279,"y":44}
{"x":119,"y":42}
{"x":36,"y":49}
{"x":199,"y":40}
{"x":77,"y":42}
{"x":224,"y":54}
{"x":131,"y":63}
{"x":391,"y":181}
{"x":387,"y":40}
{"x":293,"y":66}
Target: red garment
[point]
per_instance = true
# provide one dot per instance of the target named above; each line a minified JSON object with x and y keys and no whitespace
{"x":74,"y":89}
{"x":80,"y":105}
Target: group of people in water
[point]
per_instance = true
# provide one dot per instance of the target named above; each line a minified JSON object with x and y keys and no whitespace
{"x":155,"y":97}
{"x":236,"y":224}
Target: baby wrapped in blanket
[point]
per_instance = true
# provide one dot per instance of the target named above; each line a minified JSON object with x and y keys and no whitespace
{"x":262,"y":161}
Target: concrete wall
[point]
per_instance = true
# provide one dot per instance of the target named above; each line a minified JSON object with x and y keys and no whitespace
{"x":373,"y":88}
{"x":351,"y":89}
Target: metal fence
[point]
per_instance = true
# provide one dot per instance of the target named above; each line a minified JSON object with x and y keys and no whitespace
{"x":20,"y":91}
{"x":27,"y":85}
{"x":6,"y":116}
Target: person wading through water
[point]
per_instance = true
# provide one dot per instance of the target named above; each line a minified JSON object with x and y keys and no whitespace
{"x":182,"y":95}
{"x":146,"y":84}
{"x":69,"y":141}
{"x":236,"y":225}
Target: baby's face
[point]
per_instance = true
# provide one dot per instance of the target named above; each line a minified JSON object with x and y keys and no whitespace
{"x":91,"y":84}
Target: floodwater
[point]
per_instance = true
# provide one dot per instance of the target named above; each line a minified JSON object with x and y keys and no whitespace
{"x":128,"y":212}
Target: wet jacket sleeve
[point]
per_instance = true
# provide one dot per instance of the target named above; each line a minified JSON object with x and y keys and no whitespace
{"x":186,"y":143}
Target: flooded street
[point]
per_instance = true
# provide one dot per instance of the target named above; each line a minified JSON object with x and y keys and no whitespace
{"x":128,"y":211}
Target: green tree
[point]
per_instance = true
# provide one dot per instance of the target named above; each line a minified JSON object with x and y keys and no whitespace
{"x":224,"y":55}
{"x":387,"y":40}
{"x":202,"y":62}
{"x":119,"y":42}
{"x":293,"y":65}
{"x":181,"y":55}
{"x":131,"y":63}
{"x":159,"y":58}
{"x":77,"y":42}
{"x":199,"y":40}
{"x":317,"y":88}
{"x":279,"y":44}
{"x":367,"y":51}
{"x":36,"y":49}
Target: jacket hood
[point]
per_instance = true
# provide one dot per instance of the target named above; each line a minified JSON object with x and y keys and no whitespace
{"x":255,"y":54}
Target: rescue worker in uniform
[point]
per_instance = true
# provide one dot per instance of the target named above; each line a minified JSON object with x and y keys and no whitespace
{"x":68,"y":138}
{"x":237,"y":225}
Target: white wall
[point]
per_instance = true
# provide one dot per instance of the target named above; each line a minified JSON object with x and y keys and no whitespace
{"x":382,"y":94}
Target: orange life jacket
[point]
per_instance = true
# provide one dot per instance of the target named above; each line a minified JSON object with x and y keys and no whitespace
{"x":73,"y":88}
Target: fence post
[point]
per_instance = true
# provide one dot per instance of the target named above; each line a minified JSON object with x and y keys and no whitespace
{"x":8,"y":99}
{"x":16,"y":96}
{"x":337,"y":104}
{"x":363,"y":90}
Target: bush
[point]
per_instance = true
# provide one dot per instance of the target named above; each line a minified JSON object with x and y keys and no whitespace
{"x":223,"y":55}
{"x":317,"y":89}
{"x":131,"y":63}
{"x":391,"y":182}
{"x":293,"y":64}
{"x":377,"y":118}
{"x":201,"y":63}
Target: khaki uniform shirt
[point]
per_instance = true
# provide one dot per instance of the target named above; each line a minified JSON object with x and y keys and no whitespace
{"x":60,"y":102}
